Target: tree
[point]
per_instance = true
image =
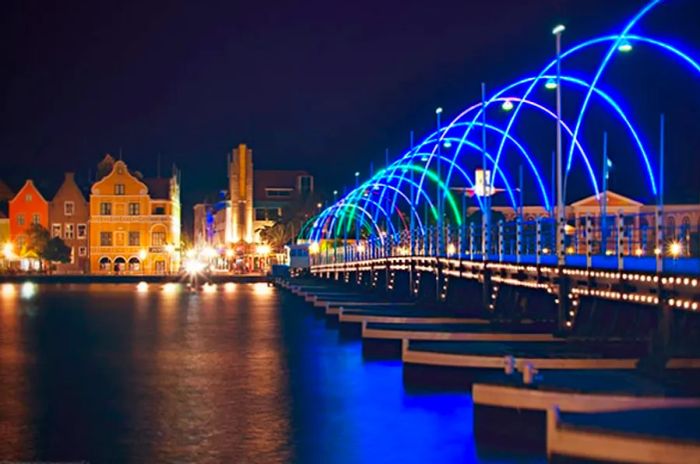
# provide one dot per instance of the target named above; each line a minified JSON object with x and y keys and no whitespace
{"x":276,"y":235}
{"x":105,"y":166}
{"x":38,"y":240}
{"x":42,"y":246}
{"x":56,"y":251}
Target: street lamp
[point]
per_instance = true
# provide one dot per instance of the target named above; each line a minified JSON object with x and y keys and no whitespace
{"x":551,"y":84}
{"x":507,"y":105}
{"x":625,"y":46}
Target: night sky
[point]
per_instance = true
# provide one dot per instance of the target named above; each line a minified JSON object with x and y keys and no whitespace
{"x":316,"y":85}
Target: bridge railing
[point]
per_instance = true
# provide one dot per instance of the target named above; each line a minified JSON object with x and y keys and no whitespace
{"x":651,"y":242}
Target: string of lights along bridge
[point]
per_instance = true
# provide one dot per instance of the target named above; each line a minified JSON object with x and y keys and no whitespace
{"x":457,"y":193}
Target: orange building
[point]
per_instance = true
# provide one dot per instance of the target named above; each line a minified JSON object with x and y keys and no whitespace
{"x":134,"y":223}
{"x":28,"y":207}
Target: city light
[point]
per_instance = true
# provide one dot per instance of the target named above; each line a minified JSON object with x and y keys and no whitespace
{"x":360,"y":248}
{"x":263,"y":249}
{"x":170,"y":248}
{"x":675,"y":249}
{"x":143,"y":254}
{"x":230,"y":253}
{"x":8,"y":290}
{"x":314,"y":248}
{"x":28,"y":290}
{"x":451,"y":249}
{"x":551,"y":84}
{"x":447,"y":144}
{"x":507,"y":105}
{"x":260,"y":288}
{"x":438,"y":110}
{"x":8,"y":250}
{"x":229,"y":287}
{"x":194,"y":266}
{"x":142,"y":287}
{"x":170,"y":288}
{"x":209,"y":253}
{"x":209,"y":288}
{"x":558,"y":29}
{"x":191,"y":253}
{"x":625,"y":46}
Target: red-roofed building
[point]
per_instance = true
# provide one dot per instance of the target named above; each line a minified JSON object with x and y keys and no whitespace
{"x":27,"y":207}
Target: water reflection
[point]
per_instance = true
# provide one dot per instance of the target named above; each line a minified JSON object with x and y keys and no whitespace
{"x":109,"y":373}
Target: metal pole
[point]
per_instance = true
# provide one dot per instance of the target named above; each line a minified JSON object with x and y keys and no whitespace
{"x":413,"y":203}
{"x":604,"y":200}
{"x":659,"y":249}
{"x":485,"y":182}
{"x":438,"y":244}
{"x":560,"y":174}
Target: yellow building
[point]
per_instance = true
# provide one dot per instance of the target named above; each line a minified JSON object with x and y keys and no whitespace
{"x":134,"y":224}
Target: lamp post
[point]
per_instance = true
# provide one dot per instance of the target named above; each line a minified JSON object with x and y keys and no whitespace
{"x":438,"y":244}
{"x":560,"y":197}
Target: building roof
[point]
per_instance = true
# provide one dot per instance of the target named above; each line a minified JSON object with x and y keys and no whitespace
{"x":263,"y":179}
{"x":158,"y":188}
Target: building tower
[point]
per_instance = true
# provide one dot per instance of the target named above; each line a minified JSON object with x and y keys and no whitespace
{"x":240,"y":178}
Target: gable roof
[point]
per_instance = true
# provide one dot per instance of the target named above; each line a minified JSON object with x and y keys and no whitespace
{"x":613,"y":199}
{"x":69,"y":183}
{"x":29,"y":184}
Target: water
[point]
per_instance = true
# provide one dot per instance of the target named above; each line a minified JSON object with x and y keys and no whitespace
{"x":107,"y":373}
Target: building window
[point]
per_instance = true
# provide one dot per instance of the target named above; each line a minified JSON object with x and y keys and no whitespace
{"x":68,"y":208}
{"x":274,"y":214}
{"x":260,"y":214}
{"x":134,"y":209}
{"x":119,"y":189}
{"x":159,"y":210}
{"x":134,"y":238}
{"x":82,"y":231}
{"x":105,"y":238}
{"x":28,"y":197}
{"x":36,"y":218}
{"x":306,"y":184}
{"x":160,"y":267}
{"x":72,"y":255}
{"x":158,"y":238}
{"x":56,"y":230}
{"x":20,"y":219}
{"x":105,"y":209}
{"x":278,"y":192}
{"x":70,"y":231}
{"x":82,"y":251}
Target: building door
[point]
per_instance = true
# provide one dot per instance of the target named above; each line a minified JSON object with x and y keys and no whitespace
{"x":160,"y":267}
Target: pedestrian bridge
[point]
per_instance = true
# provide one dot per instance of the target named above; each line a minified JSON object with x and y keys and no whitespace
{"x":481,"y":198}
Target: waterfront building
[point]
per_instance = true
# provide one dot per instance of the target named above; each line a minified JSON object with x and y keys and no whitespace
{"x":681,"y":222}
{"x":276,"y":191}
{"x":28,"y":207}
{"x":68,"y":218}
{"x":240,"y":177}
{"x":134,"y":225}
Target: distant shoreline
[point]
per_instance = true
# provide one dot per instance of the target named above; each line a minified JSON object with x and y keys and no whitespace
{"x":151,"y":278}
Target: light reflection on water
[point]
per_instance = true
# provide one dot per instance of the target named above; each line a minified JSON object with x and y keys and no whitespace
{"x":241,"y":374}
